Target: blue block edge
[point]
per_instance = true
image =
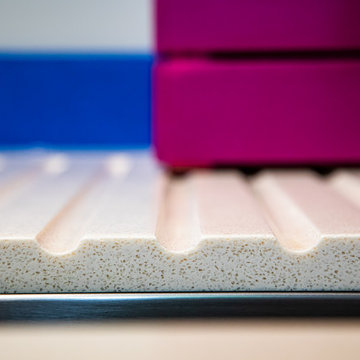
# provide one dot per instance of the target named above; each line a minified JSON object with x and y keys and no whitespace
{"x":75,"y":100}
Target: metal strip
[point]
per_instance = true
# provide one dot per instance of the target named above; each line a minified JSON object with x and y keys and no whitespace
{"x":48,"y":307}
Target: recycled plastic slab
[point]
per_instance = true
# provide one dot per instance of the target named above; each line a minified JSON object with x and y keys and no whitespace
{"x":238,"y":112}
{"x":104,"y":222}
{"x":205,"y":26}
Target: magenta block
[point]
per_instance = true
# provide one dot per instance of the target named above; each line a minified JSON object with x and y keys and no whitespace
{"x":257,"y":25}
{"x":211,"y":112}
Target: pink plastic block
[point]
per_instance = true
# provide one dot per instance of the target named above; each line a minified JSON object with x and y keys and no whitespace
{"x":257,"y":25}
{"x":255,"y":113}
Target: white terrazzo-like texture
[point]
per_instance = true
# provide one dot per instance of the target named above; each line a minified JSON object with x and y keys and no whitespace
{"x":115,"y":222}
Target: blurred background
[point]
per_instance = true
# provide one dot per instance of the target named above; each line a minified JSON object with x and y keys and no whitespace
{"x":75,"y":65}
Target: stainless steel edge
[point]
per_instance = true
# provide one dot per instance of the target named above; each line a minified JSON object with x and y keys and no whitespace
{"x":95,"y":306}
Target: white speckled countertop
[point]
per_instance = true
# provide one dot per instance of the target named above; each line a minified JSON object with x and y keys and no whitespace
{"x":101,"y":222}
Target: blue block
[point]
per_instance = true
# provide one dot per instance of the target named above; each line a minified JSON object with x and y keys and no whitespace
{"x":75,"y":100}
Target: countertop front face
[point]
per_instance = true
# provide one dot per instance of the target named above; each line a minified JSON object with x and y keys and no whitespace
{"x":116,"y":222}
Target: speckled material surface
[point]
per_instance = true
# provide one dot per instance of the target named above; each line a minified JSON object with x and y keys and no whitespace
{"x":100,"y":222}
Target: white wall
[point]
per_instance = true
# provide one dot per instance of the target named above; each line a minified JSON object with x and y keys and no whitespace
{"x":76,"y":25}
